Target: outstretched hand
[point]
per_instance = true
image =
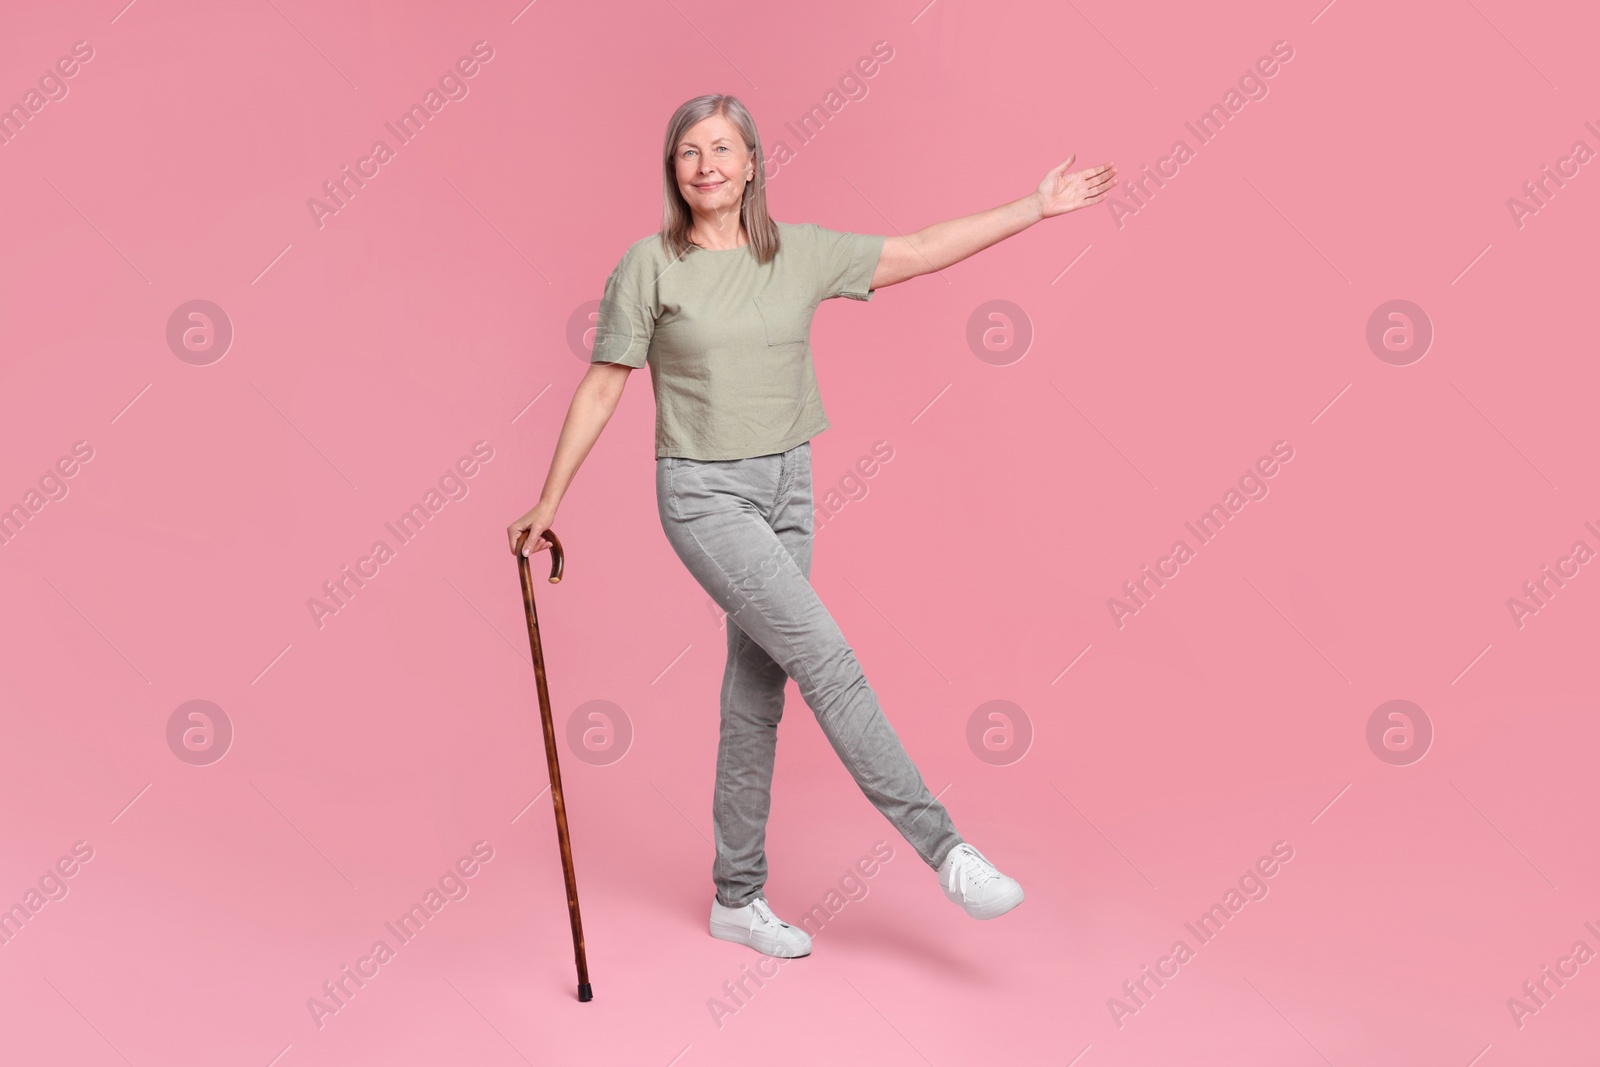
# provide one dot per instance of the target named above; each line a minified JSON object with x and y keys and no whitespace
{"x":1061,"y":192}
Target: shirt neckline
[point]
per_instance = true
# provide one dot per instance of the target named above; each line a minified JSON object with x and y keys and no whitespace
{"x":737,"y":248}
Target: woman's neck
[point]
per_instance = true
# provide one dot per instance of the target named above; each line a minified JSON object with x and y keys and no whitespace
{"x":704,"y":235}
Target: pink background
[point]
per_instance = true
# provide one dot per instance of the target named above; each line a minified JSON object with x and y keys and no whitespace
{"x":433,"y":311}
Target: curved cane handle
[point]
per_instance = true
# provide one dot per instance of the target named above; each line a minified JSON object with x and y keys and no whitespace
{"x":557,"y":558}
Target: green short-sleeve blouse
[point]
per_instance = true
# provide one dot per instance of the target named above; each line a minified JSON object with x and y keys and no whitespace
{"x":728,"y":341}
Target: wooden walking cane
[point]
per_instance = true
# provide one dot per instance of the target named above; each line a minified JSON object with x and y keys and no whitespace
{"x":525,"y":573}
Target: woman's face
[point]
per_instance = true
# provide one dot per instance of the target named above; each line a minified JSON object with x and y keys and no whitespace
{"x":713,"y":166}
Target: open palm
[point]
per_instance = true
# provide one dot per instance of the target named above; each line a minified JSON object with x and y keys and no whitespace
{"x":1061,"y":192}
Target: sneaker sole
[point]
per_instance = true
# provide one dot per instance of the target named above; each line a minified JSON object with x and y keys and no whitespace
{"x":740,"y":936}
{"x":996,"y":908}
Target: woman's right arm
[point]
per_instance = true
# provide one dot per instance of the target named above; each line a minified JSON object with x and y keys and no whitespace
{"x":592,"y":404}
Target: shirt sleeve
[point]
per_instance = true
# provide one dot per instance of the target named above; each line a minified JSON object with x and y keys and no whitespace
{"x":846,"y":262}
{"x":627,"y":317}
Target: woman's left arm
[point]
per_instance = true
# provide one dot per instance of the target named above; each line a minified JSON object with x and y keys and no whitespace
{"x":936,"y":247}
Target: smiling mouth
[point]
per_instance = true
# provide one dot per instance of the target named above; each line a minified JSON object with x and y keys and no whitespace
{"x":713,"y":185}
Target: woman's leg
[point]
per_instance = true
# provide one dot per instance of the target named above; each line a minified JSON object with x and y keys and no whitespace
{"x":752,"y":706}
{"x":743,"y":528}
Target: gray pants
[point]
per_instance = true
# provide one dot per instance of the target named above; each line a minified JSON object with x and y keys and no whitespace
{"x":743,"y":527}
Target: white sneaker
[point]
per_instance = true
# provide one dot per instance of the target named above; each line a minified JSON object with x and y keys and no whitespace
{"x":972,"y":881}
{"x":756,"y":926}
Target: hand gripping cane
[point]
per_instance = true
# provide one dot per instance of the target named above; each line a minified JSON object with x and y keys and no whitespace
{"x":525,"y":573}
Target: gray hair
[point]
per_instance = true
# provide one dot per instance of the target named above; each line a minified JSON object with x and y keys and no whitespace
{"x":676,"y":218}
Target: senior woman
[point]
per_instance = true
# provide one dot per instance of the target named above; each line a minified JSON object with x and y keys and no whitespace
{"x":719,"y":304}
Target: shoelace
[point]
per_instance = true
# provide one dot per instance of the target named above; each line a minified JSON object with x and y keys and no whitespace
{"x":976,"y":872}
{"x":765,"y":913}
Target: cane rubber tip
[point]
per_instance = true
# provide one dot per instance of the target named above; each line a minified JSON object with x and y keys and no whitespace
{"x":584,"y":992}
